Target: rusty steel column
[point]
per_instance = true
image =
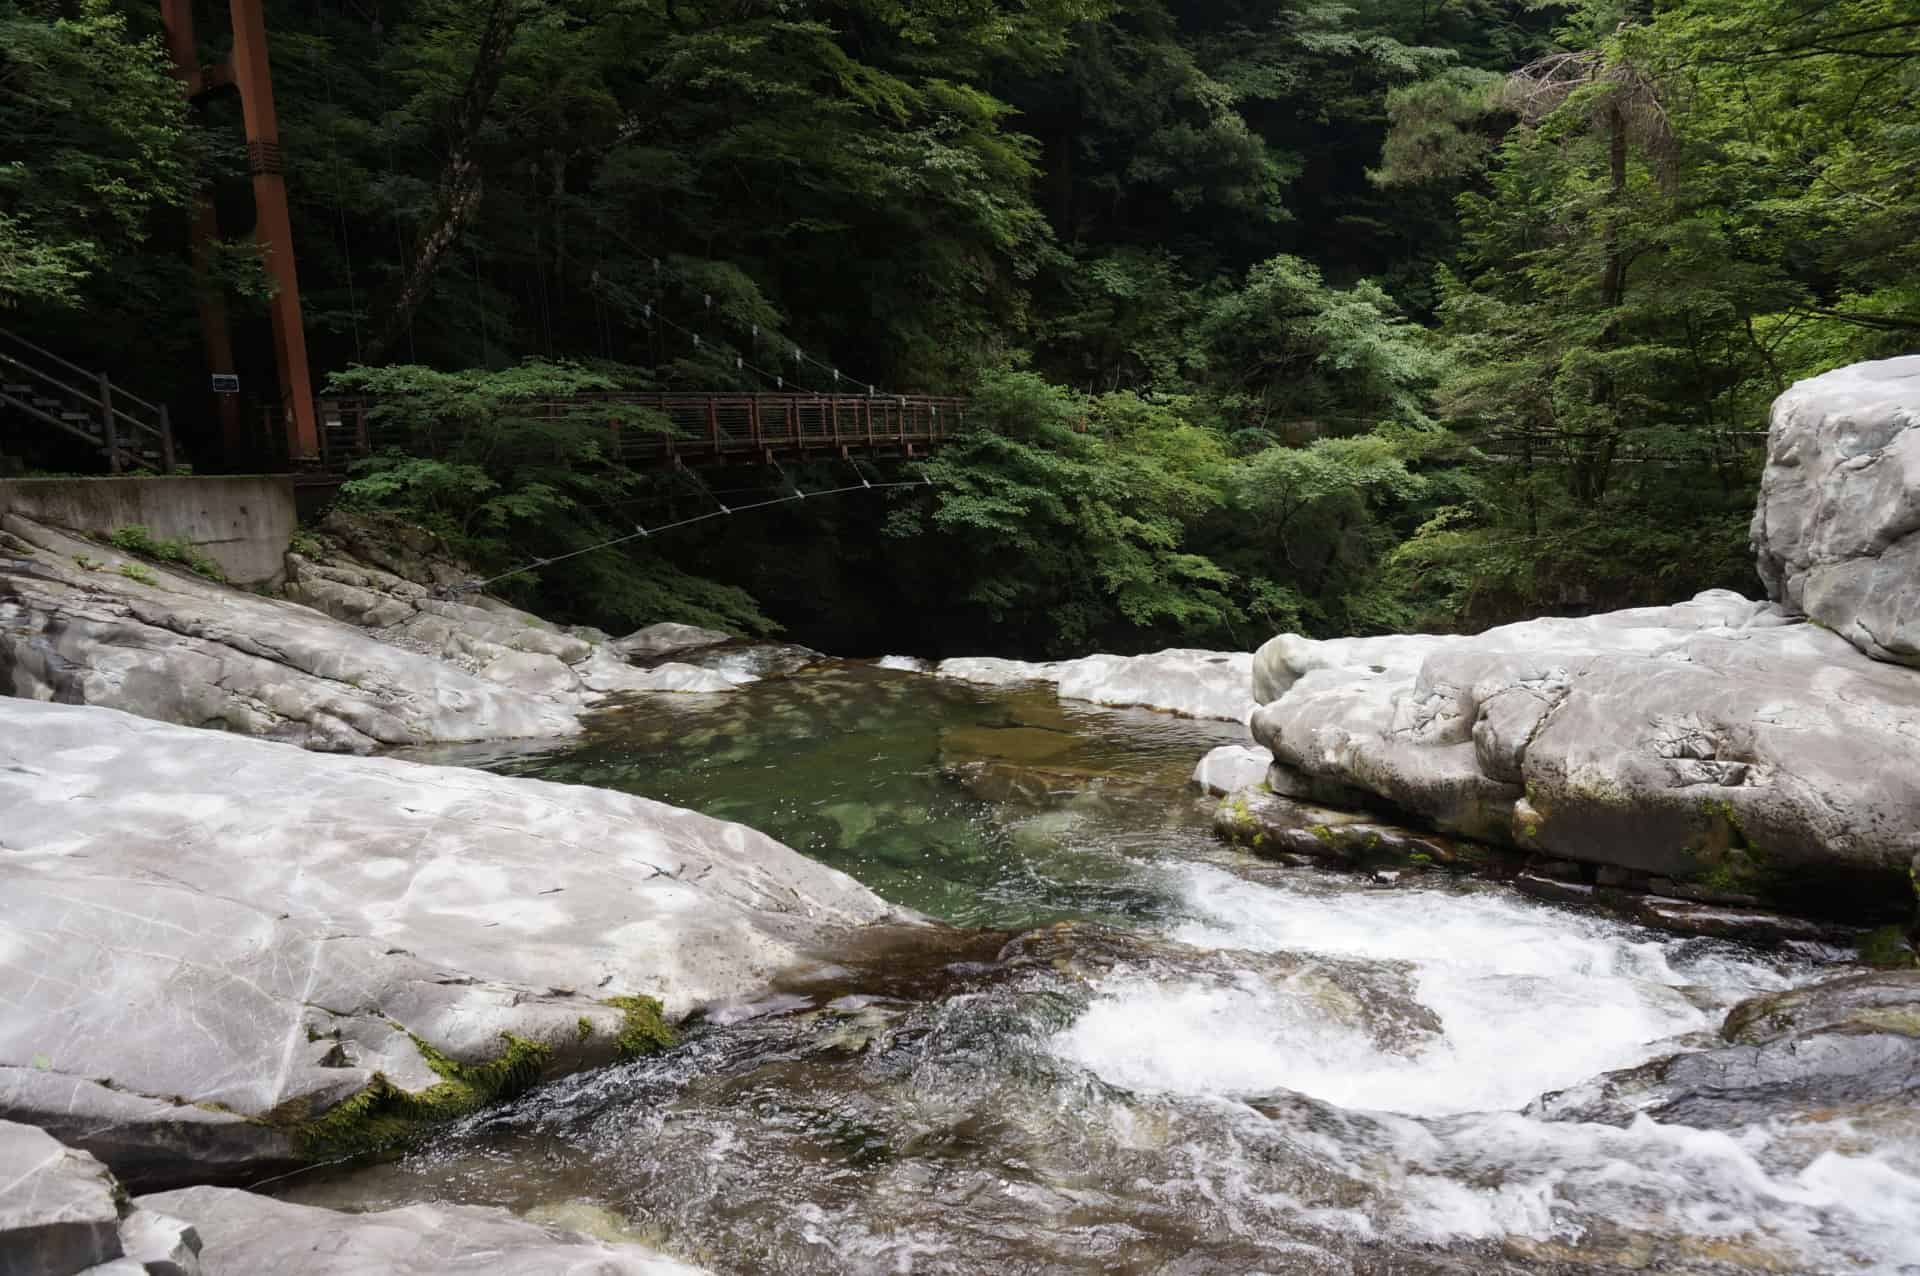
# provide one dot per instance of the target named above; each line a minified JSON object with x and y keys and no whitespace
{"x":216,"y":338}
{"x":273,"y":228}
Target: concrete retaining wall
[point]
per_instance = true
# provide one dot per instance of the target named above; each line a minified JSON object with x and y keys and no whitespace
{"x":242,"y":523}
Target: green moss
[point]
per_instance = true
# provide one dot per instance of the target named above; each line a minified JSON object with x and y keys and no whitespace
{"x":134,"y":571}
{"x":1420,"y":857}
{"x":306,"y":545}
{"x":643,"y":1027}
{"x":584,"y":1032}
{"x":1731,"y":862}
{"x":1904,"y":1020}
{"x":1887,"y":948}
{"x":383,"y":1115}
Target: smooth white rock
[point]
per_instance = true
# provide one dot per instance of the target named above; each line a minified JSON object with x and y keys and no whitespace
{"x":658,"y":640}
{"x":246,"y":924}
{"x":57,"y":1209}
{"x":1639,"y":738}
{"x":1185,"y":681}
{"x":533,"y":672}
{"x":1837,"y":526}
{"x":1230,"y":767}
{"x":243,"y":1234}
{"x":73,"y":628}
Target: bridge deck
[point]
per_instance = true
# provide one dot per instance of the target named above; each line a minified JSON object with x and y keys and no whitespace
{"x":687,"y":429}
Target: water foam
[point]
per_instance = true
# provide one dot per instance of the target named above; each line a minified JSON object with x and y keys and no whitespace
{"x":1529,"y":998}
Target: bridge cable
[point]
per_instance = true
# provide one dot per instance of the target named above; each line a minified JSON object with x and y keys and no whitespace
{"x":798,"y":355}
{"x":640,"y":532}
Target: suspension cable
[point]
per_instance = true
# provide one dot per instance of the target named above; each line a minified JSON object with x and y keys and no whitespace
{"x":640,"y":531}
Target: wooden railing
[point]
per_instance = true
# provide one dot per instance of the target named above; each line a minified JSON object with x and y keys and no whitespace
{"x":680,"y":429}
{"x":40,"y":385}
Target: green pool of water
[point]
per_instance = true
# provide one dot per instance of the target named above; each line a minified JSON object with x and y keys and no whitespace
{"x":978,"y":806}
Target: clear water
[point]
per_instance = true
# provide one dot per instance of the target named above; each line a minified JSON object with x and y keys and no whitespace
{"x":1138,"y":1051}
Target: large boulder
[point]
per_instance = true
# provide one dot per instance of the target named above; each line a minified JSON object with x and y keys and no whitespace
{"x":219,"y":954}
{"x":1837,"y":527}
{"x":354,"y":658}
{"x":81,"y":623}
{"x":248,"y":1235}
{"x":1713,"y":743}
{"x":1185,"y":681}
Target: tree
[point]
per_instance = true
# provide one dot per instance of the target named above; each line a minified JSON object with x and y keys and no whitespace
{"x":96,"y":143}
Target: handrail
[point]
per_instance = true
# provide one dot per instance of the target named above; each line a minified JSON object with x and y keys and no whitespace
{"x":713,"y":426}
{"x":104,"y":410}
{"x":72,"y":367}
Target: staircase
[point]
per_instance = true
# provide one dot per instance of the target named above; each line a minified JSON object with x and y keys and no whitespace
{"x":40,"y":387}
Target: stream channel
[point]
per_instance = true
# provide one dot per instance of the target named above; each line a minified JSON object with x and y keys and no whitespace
{"x":1134,"y":1049}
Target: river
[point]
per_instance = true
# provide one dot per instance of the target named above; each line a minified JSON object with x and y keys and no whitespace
{"x":1132,"y":1049}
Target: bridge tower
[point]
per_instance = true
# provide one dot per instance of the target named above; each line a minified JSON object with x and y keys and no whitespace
{"x":246,"y":70}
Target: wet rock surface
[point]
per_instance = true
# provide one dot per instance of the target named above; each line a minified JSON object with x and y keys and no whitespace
{"x":243,"y":1234}
{"x":1837,"y":526}
{"x":1843,"y":1045}
{"x":240,"y":936}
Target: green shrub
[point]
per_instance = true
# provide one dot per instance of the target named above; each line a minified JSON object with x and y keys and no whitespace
{"x":135,"y":539}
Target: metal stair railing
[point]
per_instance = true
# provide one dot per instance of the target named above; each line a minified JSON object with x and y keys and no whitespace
{"x":130,"y":430}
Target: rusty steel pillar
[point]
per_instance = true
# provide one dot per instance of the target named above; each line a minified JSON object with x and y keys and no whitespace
{"x":247,"y":70}
{"x":216,"y":338}
{"x":273,"y":228}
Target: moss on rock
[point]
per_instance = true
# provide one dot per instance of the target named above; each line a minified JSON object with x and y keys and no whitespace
{"x":1888,"y":949}
{"x":382,"y":1115}
{"x":643,"y":1029}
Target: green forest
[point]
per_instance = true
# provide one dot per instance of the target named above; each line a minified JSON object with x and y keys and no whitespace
{"x":1284,"y":315}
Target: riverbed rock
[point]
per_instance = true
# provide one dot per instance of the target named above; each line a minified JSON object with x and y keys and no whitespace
{"x":1230,"y":767}
{"x":354,"y":658}
{"x":1714,"y":743}
{"x":1837,"y":526}
{"x":211,"y":942}
{"x":57,"y":1208}
{"x":1284,"y":828}
{"x":1832,"y":1048}
{"x":244,"y":1234}
{"x":1185,"y":681}
{"x":81,"y":623}
{"x":61,"y":1212}
{"x":666,"y":637}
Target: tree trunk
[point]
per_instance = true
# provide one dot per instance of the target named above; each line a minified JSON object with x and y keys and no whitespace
{"x":457,"y":196}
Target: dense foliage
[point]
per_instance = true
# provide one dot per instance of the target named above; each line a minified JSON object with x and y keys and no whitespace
{"x":1330,"y":316}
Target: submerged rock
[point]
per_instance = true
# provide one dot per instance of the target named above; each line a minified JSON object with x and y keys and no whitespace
{"x":1840,"y":1045}
{"x":1837,"y":527}
{"x":243,"y":1234}
{"x":246,"y":954}
{"x":1188,"y":682}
